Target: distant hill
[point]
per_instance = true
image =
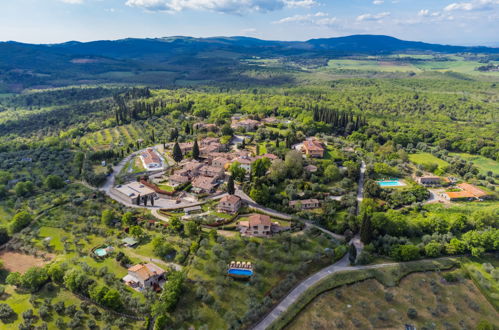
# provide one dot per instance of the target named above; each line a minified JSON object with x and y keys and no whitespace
{"x":164,"y":61}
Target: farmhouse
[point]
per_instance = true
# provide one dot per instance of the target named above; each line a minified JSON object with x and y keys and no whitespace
{"x":313,"y":148}
{"x":431,"y":180}
{"x":230,"y":203}
{"x":131,"y":191}
{"x":306,"y":204}
{"x":258,"y":225}
{"x":145,"y":276}
{"x":467,"y":192}
{"x":150,"y":159}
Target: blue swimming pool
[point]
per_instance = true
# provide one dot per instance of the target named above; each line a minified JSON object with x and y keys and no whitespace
{"x":100,"y":252}
{"x":390,"y":183}
{"x":240,"y":272}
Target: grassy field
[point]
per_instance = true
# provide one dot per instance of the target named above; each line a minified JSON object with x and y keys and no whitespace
{"x":367,"y":304}
{"x":426,"y":159}
{"x":483,"y":164}
{"x":388,"y":276}
{"x":484,"y":273}
{"x":410,"y":63}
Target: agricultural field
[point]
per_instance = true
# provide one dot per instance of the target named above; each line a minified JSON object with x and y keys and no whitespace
{"x":484,"y":164}
{"x":427,"y":160}
{"x":410,"y":63}
{"x":421,"y":299}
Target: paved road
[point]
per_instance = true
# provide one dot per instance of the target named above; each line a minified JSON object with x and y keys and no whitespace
{"x":296,"y":293}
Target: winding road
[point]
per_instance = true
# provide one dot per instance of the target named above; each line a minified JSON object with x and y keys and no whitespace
{"x":297,"y":292}
{"x":342,"y":265}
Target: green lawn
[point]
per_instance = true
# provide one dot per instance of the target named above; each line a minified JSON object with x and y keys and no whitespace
{"x":425,"y":158}
{"x":483,"y":164}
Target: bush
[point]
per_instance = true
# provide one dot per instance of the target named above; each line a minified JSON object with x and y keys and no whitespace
{"x":6,"y":311}
{"x":405,"y":252}
{"x":485,"y":325}
{"x":412,"y":313}
{"x":433,"y":249}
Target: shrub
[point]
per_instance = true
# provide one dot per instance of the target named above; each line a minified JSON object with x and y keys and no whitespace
{"x":5,"y":311}
{"x":433,"y":249}
{"x":485,"y":325}
{"x":405,"y":252}
{"x":412,"y":313}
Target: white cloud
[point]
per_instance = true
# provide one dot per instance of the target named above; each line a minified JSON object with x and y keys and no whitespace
{"x":378,"y":2}
{"x":73,"y":2}
{"x":373,"y":17}
{"x":473,"y":5}
{"x":319,"y":18}
{"x":424,"y":12}
{"x":222,"y":6}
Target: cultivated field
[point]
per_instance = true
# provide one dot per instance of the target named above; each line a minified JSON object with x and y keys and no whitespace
{"x":18,"y":262}
{"x":426,"y":159}
{"x":369,"y":304}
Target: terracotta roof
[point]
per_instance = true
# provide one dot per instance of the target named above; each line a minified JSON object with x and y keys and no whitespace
{"x":203,"y":182}
{"x":259,"y":219}
{"x":146,"y":271}
{"x":459,"y":194}
{"x":179,"y":178}
{"x":313,"y":145}
{"x":150,"y":156}
{"x":232,"y":199}
{"x":475,"y":191}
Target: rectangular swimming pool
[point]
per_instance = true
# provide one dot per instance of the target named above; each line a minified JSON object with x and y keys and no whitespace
{"x":240,"y":272}
{"x":390,"y":183}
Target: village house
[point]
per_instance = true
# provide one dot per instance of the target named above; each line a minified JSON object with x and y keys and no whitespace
{"x":145,"y":276}
{"x":212,"y":171}
{"x":258,"y":225}
{"x":467,"y":192}
{"x":229,"y":204}
{"x":313,"y":148}
{"x":131,"y":191}
{"x":246,"y":124}
{"x":177,"y":180}
{"x":270,"y":120}
{"x":272,"y":157}
{"x":306,"y":204}
{"x":190,"y":169}
{"x":150,"y":159}
{"x":220,"y":162}
{"x":245,"y":162}
{"x":186,"y":147}
{"x":203,"y":185}
{"x":205,"y":127}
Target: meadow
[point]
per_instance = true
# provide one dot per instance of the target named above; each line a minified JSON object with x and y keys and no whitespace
{"x":484,"y":164}
{"x":369,"y":304}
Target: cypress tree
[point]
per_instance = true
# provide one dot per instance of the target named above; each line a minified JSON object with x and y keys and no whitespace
{"x":177,"y":153}
{"x":352,"y":254}
{"x":195,"y":150}
{"x":366,"y":229}
{"x":231,"y":189}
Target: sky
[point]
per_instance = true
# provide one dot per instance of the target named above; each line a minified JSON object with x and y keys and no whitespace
{"x":469,"y":22}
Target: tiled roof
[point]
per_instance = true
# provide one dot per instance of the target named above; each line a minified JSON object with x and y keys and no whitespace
{"x":259,"y":219}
